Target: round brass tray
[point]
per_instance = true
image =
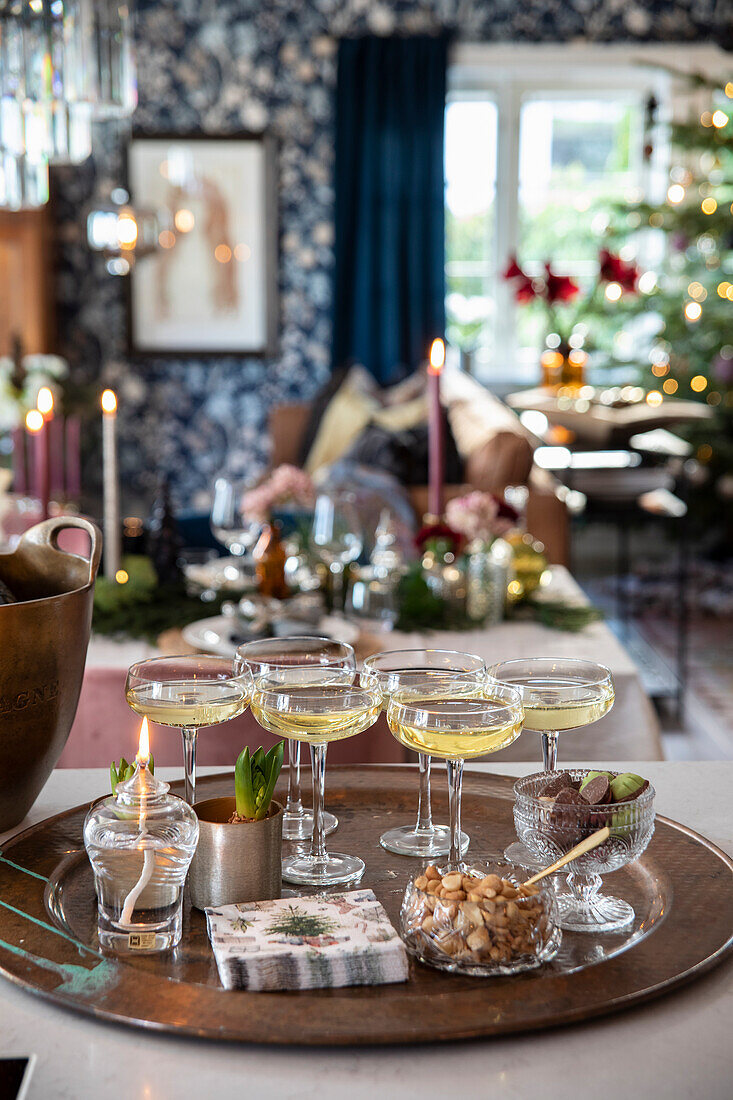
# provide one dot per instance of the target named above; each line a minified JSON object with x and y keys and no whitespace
{"x":681,"y":889}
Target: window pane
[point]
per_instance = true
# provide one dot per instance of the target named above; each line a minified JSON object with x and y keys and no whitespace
{"x":470,"y":170}
{"x":574,"y":156}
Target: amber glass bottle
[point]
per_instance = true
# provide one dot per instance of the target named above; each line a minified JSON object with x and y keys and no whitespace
{"x":270,"y":557}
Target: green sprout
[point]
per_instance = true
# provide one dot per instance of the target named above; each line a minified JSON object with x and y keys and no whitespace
{"x":255,"y":777}
{"x":118,"y":773}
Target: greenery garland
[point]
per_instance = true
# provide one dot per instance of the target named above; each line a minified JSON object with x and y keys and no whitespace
{"x":143,"y":608}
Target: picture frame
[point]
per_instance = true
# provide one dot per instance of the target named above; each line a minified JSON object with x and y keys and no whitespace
{"x":210,"y":287}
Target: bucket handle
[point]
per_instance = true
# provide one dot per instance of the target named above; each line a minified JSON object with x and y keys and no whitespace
{"x":47,"y":534}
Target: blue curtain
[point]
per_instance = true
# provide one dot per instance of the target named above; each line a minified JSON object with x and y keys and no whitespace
{"x":389,"y":281}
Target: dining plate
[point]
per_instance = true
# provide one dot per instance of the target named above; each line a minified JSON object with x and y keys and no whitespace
{"x":681,"y":890}
{"x":221,"y":634}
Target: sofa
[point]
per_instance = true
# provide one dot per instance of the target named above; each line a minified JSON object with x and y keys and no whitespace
{"x":495,"y":448}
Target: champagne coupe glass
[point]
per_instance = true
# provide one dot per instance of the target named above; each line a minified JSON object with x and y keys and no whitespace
{"x":289,"y":703}
{"x":415,"y":668}
{"x":319,"y":655}
{"x":558,"y":694}
{"x":228,"y":522}
{"x":454,"y":722}
{"x":337,"y":536}
{"x":188,"y":692}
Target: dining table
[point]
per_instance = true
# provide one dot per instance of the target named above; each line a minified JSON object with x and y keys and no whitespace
{"x":105,"y":727}
{"x":676,"y":1046}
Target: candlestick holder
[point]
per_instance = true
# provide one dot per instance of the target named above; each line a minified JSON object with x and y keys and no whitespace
{"x":140,"y":843}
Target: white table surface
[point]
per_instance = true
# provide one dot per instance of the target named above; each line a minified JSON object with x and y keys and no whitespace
{"x":675,"y":1048}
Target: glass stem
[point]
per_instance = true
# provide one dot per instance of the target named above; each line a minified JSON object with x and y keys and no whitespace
{"x":549,"y":750}
{"x":424,"y":810}
{"x":584,"y":888}
{"x":455,"y":781}
{"x":337,"y":572}
{"x":189,"y":764}
{"x":318,"y":764}
{"x":295,"y":803}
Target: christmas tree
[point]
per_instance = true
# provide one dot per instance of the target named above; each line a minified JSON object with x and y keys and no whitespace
{"x":688,"y":302}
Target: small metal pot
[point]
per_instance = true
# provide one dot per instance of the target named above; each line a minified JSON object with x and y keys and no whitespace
{"x":235,"y":862}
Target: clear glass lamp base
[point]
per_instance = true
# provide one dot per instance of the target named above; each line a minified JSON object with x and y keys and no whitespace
{"x":333,"y":869}
{"x":409,"y":840}
{"x":298,"y":824}
{"x":140,"y":937}
{"x":599,"y":913}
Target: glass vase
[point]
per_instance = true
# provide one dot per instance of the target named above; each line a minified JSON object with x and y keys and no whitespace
{"x":487,"y":578}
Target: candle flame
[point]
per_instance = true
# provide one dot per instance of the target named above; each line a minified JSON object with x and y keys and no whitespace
{"x":34,"y":420}
{"x":143,"y":749}
{"x":437,"y":356}
{"x":44,"y":401}
{"x":109,"y":401}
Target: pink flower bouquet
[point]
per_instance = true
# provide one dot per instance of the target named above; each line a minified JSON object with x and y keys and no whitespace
{"x":285,"y":485}
{"x":480,"y":517}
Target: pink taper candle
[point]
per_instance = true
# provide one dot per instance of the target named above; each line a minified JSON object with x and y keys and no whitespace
{"x":436,"y":457}
{"x":111,"y":485}
{"x":35,"y":424}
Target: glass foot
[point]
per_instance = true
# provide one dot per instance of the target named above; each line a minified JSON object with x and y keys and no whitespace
{"x":520,"y":855}
{"x":408,"y":840}
{"x":333,"y":870}
{"x":298,"y":825}
{"x":599,"y":913}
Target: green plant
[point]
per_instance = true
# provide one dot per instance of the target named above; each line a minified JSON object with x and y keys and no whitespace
{"x":118,"y":773}
{"x":255,"y":777}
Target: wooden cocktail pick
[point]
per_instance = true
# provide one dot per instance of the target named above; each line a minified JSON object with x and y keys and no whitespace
{"x":586,"y":845}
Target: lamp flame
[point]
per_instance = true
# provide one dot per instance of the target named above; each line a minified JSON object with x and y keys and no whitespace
{"x":143,"y":749}
{"x":44,"y":401}
{"x":437,"y":356}
{"x":34,"y":420}
{"x":109,"y":401}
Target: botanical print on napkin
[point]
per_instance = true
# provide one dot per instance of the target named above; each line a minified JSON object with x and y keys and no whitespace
{"x":306,"y":943}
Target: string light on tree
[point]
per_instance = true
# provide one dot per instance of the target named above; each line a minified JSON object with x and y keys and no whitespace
{"x":708,"y":205}
{"x":719,"y":119}
{"x":693,"y":311}
{"x":676,"y":194}
{"x":654,"y":398}
{"x":698,"y":383}
{"x":614,"y":292}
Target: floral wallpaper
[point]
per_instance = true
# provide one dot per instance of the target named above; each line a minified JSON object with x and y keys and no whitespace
{"x":224,"y":65}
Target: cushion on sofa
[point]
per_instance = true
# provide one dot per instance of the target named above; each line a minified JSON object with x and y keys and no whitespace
{"x":404,"y":454}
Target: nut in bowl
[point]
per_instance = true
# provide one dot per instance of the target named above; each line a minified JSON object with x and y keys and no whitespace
{"x":481,"y":921}
{"x":554,"y":811}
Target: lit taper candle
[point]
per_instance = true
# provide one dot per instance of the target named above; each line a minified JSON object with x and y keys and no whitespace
{"x":111,"y":485}
{"x":436,"y":456}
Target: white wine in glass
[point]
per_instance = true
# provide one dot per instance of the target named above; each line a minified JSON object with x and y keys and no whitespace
{"x":320,"y":656}
{"x":558,"y":694}
{"x":188,"y":692}
{"x":316,"y":714}
{"x":456,"y":725}
{"x":404,"y":669}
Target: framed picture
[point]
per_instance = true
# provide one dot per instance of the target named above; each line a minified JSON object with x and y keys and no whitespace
{"x":210,"y":287}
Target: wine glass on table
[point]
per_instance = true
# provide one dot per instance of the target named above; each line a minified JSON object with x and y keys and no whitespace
{"x":318,"y":656}
{"x":188,"y":692}
{"x":456,"y":723}
{"x":415,"y":668}
{"x":337,"y":536}
{"x":289,"y":703}
{"x":229,"y":524}
{"x":558,"y":694}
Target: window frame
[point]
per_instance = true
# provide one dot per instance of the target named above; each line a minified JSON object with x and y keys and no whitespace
{"x":511,"y":75}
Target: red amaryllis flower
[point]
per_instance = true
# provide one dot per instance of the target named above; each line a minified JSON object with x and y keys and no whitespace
{"x":513,"y":270}
{"x":559,"y":288}
{"x":434,"y":532}
{"x":615,"y":270}
{"x":524,"y":290}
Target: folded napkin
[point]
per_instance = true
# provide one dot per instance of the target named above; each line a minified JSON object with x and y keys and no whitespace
{"x":306,"y":943}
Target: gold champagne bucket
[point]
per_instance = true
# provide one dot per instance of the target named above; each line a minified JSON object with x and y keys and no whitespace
{"x":43,"y":647}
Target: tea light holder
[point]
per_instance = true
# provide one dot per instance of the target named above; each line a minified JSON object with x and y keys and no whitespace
{"x":140,"y":842}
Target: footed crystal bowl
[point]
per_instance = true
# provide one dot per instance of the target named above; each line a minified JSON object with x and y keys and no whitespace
{"x":549,"y":831}
{"x":484,"y":933}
